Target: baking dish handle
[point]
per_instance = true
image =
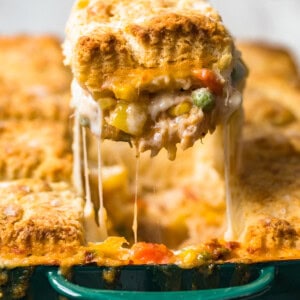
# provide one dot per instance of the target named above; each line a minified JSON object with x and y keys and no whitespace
{"x":73,"y":291}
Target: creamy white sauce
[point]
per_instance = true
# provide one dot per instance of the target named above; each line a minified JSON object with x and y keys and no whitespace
{"x":164,"y":101}
{"x":86,"y":107}
{"x":232,"y":103}
{"x":136,"y":117}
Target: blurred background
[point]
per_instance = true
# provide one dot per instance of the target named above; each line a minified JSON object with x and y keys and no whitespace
{"x":277,"y":21}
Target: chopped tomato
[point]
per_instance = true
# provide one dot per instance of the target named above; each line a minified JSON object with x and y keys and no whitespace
{"x":231,"y":245}
{"x":149,"y":253}
{"x":210,"y":80}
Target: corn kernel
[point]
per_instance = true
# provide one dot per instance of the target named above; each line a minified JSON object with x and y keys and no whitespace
{"x":118,"y":117}
{"x":125,"y":92}
{"x":129,"y":118}
{"x":82,"y":4}
{"x":107,"y":103}
{"x":112,"y":247}
{"x":188,"y":257}
{"x":180,"y":109}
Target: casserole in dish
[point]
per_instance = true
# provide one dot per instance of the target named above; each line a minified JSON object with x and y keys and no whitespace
{"x":42,"y":218}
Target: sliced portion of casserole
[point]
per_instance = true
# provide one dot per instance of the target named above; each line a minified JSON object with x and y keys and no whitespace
{"x":34,"y":83}
{"x":35,"y":149}
{"x":40,"y":222}
{"x":153,"y":73}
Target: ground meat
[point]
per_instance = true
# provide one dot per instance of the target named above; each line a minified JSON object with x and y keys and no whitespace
{"x":183,"y":130}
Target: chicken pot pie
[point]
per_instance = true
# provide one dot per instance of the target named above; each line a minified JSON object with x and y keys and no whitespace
{"x":153,"y":73}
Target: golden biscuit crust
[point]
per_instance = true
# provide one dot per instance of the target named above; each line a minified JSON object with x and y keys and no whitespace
{"x":39,"y":218}
{"x":37,"y":149}
{"x":272,"y":93}
{"x":280,"y":92}
{"x":267,"y":191}
{"x":105,"y":37}
{"x":33,"y":103}
{"x":34,"y":83}
{"x":269,"y":60}
{"x":33,"y":61}
{"x":268,"y":188}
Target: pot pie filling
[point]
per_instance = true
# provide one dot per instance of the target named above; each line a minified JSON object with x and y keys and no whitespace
{"x":151,"y":109}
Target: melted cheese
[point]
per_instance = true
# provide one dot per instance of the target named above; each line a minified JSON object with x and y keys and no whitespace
{"x":93,"y":232}
{"x":77,"y":172}
{"x":232,"y":134}
{"x":85,"y":106}
{"x":163,"y":101}
{"x":135,"y":210}
{"x":231,"y":116}
{"x":101,"y":212}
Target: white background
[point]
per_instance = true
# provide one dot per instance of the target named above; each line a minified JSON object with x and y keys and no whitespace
{"x":272,"y":20}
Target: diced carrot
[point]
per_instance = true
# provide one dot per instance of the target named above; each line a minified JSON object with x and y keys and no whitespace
{"x":149,"y":253}
{"x":210,"y":80}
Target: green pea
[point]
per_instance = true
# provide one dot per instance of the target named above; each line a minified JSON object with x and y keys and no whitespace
{"x":204,"y":256}
{"x":203,"y":99}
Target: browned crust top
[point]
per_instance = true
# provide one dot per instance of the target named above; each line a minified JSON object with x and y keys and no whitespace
{"x":123,"y":35}
{"x":38,"y":149}
{"x":37,"y":218}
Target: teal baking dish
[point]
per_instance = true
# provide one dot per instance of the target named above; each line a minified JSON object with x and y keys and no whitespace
{"x":276,"y":280}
